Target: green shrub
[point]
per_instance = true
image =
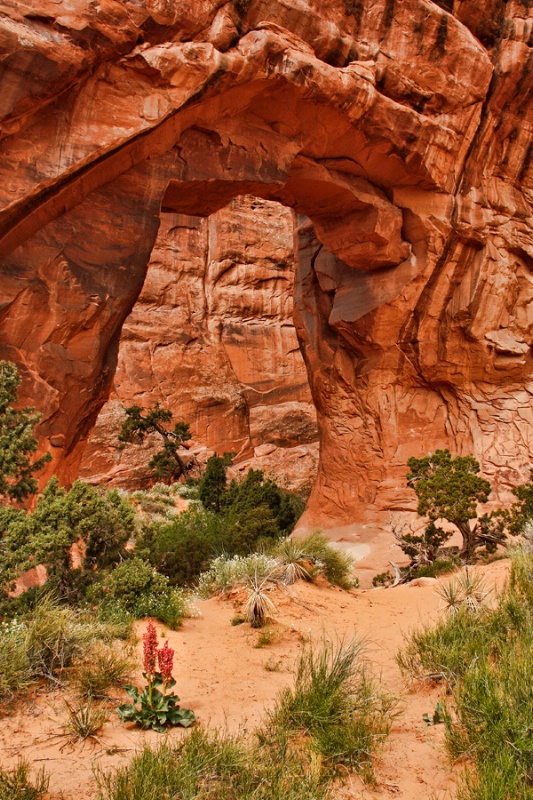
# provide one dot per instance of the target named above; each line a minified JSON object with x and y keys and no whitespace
{"x":226,"y":572}
{"x":15,"y":784}
{"x":103,"y":521}
{"x":382,"y":579}
{"x":440,"y":566}
{"x":141,"y":591}
{"x":182,"y":548}
{"x":17,"y":442}
{"x":241,"y":519}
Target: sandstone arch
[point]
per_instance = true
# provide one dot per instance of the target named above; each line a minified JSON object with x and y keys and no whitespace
{"x":383,"y":126}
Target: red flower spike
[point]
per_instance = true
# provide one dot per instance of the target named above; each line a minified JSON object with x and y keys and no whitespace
{"x":150,"y":648}
{"x":165,"y":657}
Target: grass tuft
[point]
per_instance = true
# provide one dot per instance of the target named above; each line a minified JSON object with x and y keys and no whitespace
{"x":337,"y":705}
{"x":15,"y":784}
{"x":104,"y":667}
{"x":84,"y":720}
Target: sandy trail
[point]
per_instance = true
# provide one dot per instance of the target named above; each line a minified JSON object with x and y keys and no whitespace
{"x":228,"y":681}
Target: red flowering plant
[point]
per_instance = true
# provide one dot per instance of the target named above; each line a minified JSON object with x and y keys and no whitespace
{"x":155,"y":707}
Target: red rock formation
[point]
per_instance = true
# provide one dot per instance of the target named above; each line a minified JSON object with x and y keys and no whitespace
{"x":399,"y":130}
{"x":212,"y":339}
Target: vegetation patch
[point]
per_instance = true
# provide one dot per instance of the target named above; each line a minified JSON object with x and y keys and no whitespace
{"x":334,"y":718}
{"x":484,"y":655}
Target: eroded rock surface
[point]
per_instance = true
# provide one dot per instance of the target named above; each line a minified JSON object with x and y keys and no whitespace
{"x":212,"y":339}
{"x":398,"y":131}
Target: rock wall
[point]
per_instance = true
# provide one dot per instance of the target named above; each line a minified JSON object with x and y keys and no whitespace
{"x":211,"y":338}
{"x":400,"y":133}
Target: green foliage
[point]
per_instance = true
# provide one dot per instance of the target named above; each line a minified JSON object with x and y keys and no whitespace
{"x":254,"y":513}
{"x":155,"y":709}
{"x":182,"y":548}
{"x":17,"y":443}
{"x":296,"y":756}
{"x":438,"y":716}
{"x":212,"y":485}
{"x":102,"y":521}
{"x":141,"y":591}
{"x":256,"y":494}
{"x":450,"y":488}
{"x":382,"y":579}
{"x":522,"y":511}
{"x":440,"y":566}
{"x":167,"y":464}
{"x":15,"y":784}
{"x":486,"y":659}
{"x":45,"y":643}
{"x":336,"y":704}
{"x":423,"y":548}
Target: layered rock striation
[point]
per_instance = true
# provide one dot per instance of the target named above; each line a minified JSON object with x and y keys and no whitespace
{"x":398,"y":131}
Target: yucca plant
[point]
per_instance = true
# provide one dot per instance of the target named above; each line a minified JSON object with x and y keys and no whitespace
{"x":295,"y":563}
{"x":465,"y":590}
{"x":258,"y":606}
{"x":84,"y":720}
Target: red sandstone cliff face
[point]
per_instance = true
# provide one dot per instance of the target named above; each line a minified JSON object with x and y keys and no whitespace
{"x":398,"y":130}
{"x":212,"y":339}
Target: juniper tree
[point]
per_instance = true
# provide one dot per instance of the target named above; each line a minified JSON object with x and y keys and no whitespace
{"x":17,"y":442}
{"x":168,"y":464}
{"x":450,"y":488}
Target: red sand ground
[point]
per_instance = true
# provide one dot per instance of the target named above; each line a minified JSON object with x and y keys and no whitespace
{"x":228,"y":681}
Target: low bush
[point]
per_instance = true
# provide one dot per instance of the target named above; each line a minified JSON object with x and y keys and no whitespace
{"x":225,"y":572}
{"x":102,"y":521}
{"x":239,"y":519}
{"x":142,"y":592}
{"x":182,"y":548}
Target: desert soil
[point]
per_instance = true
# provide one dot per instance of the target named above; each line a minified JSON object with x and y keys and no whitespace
{"x":229,"y":682}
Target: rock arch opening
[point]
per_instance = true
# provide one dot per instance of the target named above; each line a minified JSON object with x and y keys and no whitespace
{"x":212,"y":339}
{"x":413,"y":191}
